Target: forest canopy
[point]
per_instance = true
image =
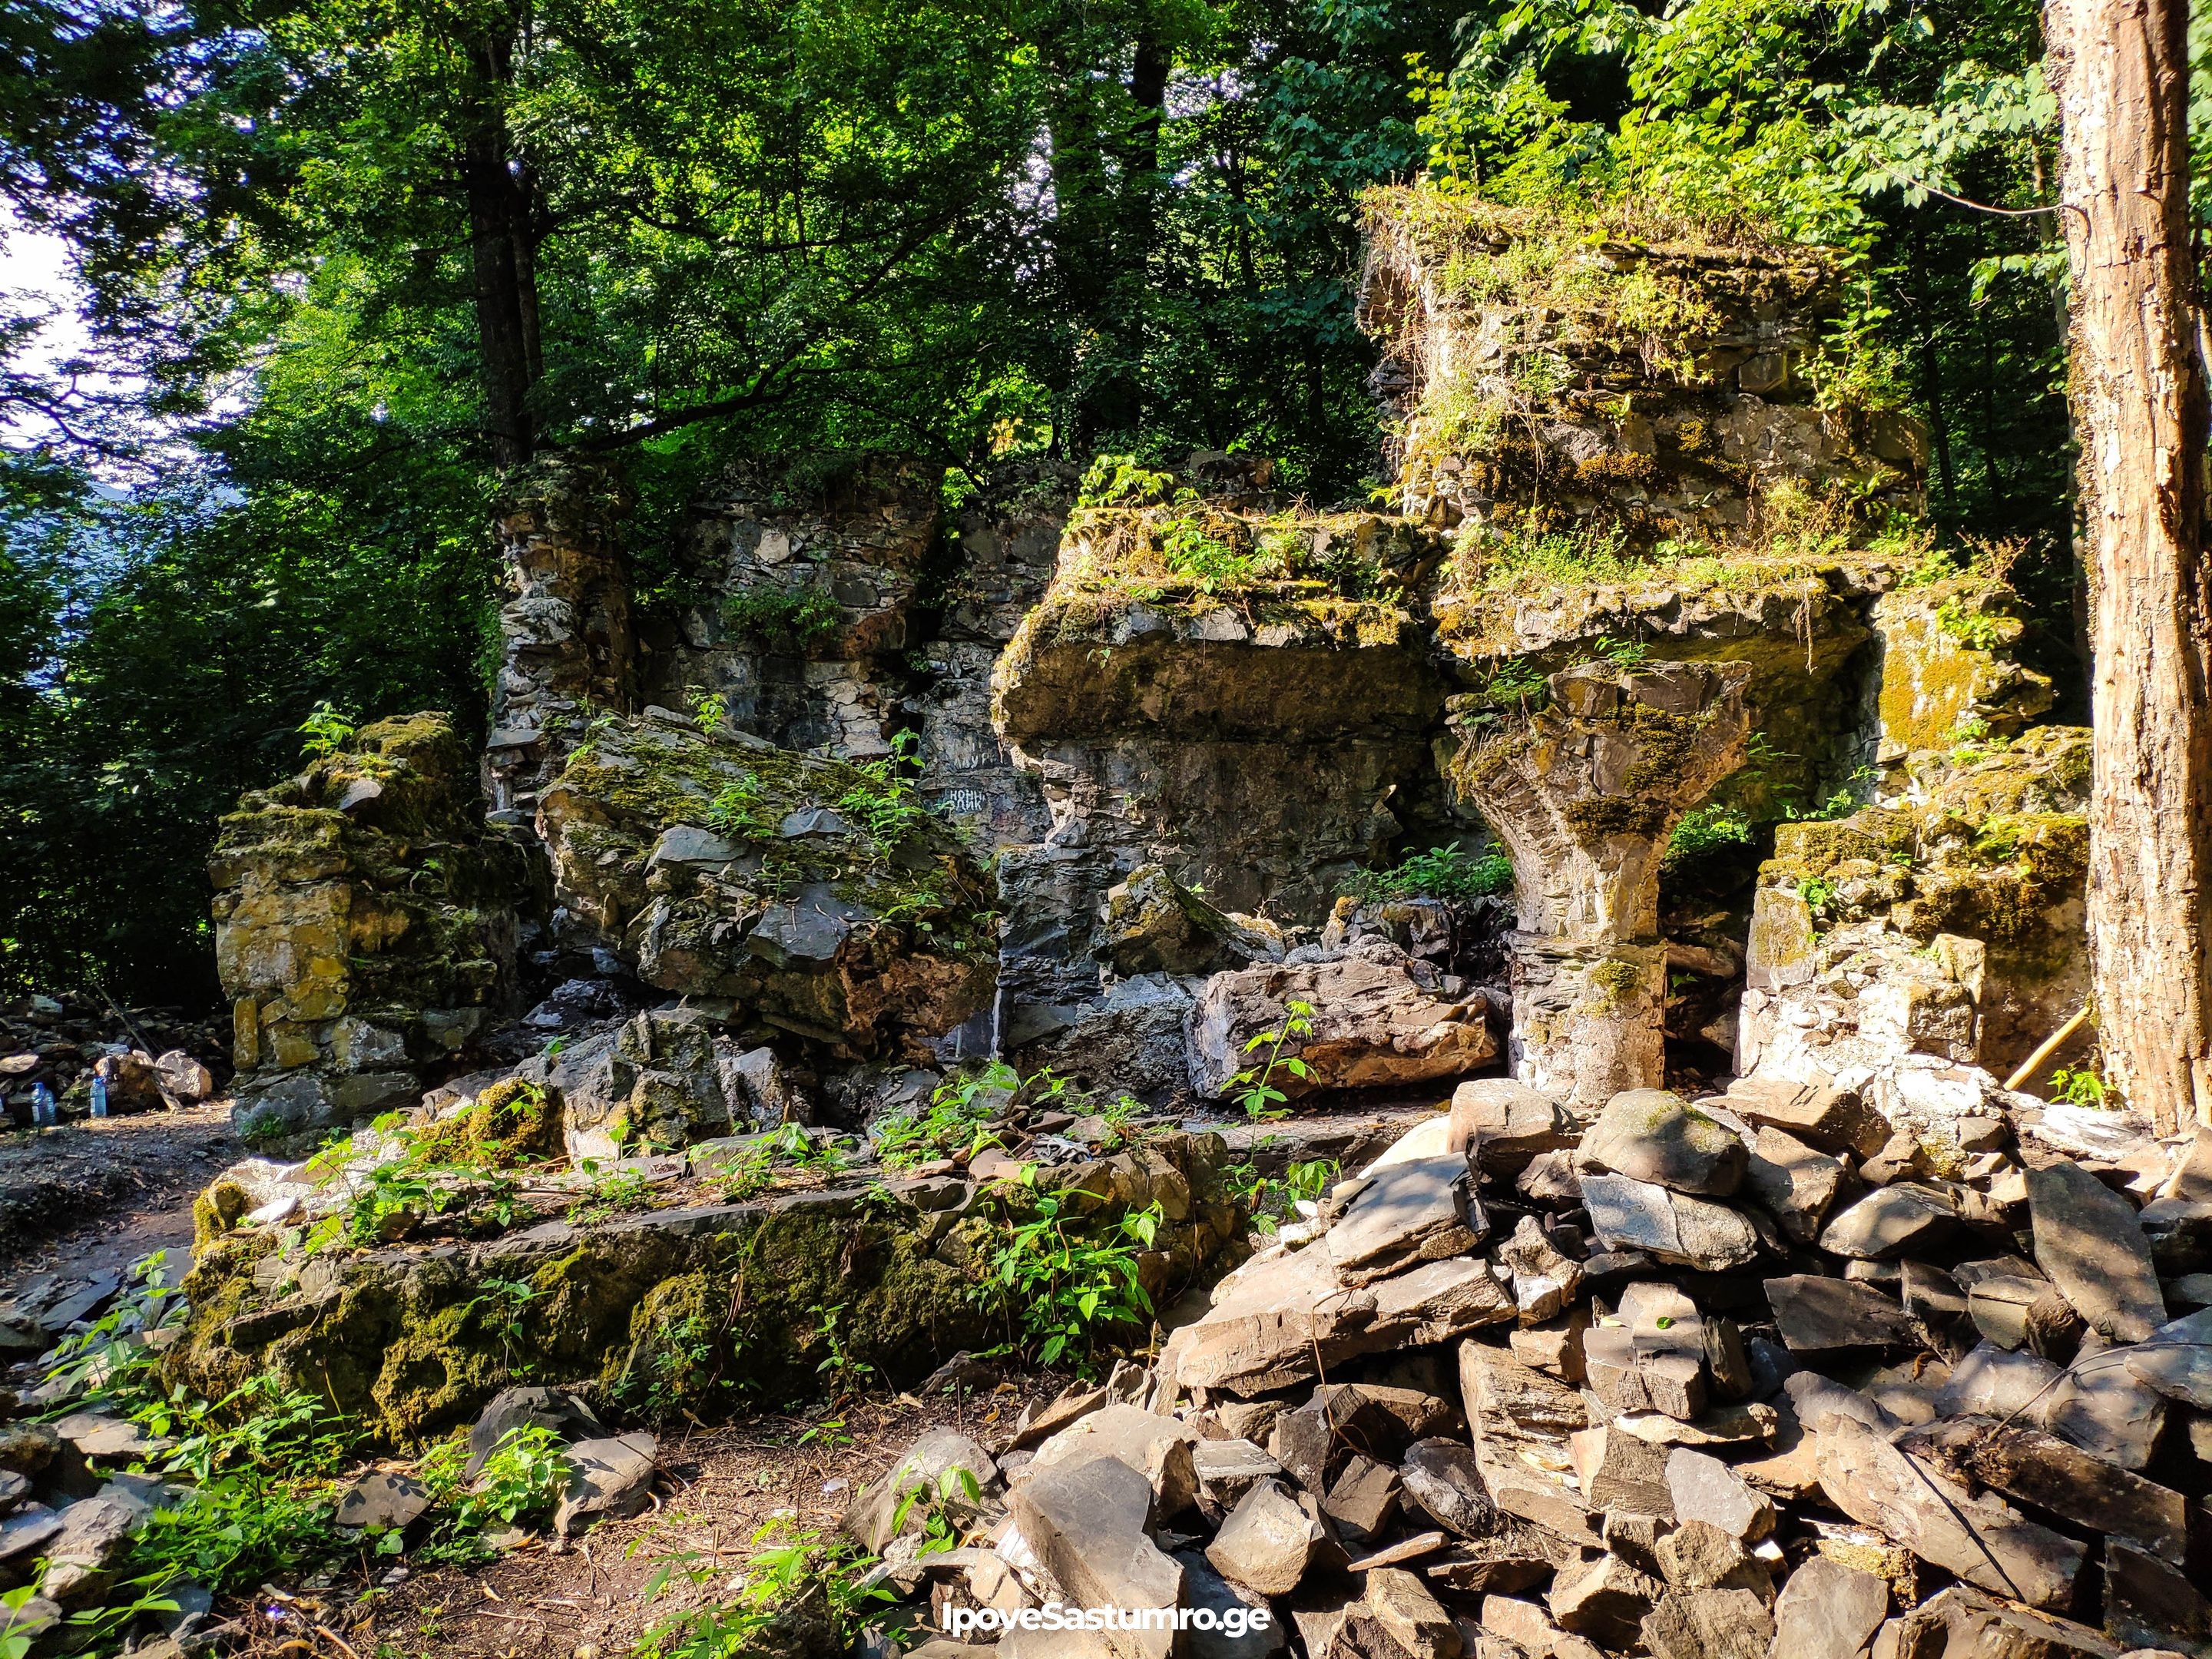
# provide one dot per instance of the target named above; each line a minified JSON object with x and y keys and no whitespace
{"x":343,"y":262}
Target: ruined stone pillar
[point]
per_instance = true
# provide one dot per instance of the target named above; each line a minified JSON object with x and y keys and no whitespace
{"x":567,"y":651}
{"x":1584,"y":787}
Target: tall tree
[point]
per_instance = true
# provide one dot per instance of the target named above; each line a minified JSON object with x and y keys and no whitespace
{"x":2121,"y":69}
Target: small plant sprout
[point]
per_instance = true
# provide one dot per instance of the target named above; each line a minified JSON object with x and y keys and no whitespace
{"x":710,"y":708}
{"x":956,"y":1496}
{"x":2077,"y":1087}
{"x":326,"y":729}
{"x":1254,"y":1087}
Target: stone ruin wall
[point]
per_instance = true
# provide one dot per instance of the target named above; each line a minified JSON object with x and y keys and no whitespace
{"x":1088,"y":717}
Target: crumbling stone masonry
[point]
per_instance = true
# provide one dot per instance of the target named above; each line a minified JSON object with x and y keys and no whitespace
{"x":570,"y":647}
{"x":365,"y":925}
{"x":1584,"y":787}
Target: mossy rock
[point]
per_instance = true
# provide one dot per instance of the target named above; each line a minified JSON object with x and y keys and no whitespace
{"x":687,"y":1311}
{"x":818,"y":894}
{"x":512,"y":1123}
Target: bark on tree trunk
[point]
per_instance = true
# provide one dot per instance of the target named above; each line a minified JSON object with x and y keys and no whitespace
{"x":2121,"y":68}
{"x":504,"y":254}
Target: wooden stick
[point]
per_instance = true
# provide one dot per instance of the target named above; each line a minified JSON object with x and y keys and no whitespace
{"x":2050,"y":1044}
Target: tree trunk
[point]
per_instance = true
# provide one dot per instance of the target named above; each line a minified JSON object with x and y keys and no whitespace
{"x":503,"y":255}
{"x":2122,"y":70}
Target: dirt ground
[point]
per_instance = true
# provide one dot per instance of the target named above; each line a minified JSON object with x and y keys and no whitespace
{"x":718,"y":1488}
{"x":102,"y":1192}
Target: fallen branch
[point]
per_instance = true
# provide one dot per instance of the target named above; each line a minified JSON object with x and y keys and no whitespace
{"x":2049,"y":1047}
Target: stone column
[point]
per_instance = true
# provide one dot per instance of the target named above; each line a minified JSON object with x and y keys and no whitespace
{"x":1584,"y":789}
{"x":567,"y":651}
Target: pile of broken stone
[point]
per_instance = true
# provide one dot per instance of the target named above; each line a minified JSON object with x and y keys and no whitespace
{"x":1754,"y":1375}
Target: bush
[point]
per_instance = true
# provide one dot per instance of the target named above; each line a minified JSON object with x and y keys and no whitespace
{"x":800,"y":617}
{"x":1707,"y":830}
{"x":1069,"y":1289}
{"x":1442,"y":872}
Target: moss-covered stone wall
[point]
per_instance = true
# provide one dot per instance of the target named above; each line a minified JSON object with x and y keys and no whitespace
{"x":365,"y":925}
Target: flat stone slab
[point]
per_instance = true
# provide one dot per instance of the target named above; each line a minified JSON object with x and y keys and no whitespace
{"x":1160,"y":1448}
{"x":1269,"y":1541}
{"x":1983,"y":1539}
{"x":1792,"y":1181}
{"x":1651,"y":1134}
{"x":609,"y":1478}
{"x":1420,"y":1210}
{"x":2034,"y":1468}
{"x":1089,"y":1524}
{"x":1832,"y":1120}
{"x":1888,"y":1221}
{"x":384,"y":1500}
{"x":1829,"y":1611}
{"x":2090,"y":1244}
{"x":1818,"y":1315}
{"x":1672,"y":1227}
{"x":1444,"y":1481}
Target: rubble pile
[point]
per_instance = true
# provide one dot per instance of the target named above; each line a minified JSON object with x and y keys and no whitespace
{"x":1750,"y":1375}
{"x":148,"y":1058}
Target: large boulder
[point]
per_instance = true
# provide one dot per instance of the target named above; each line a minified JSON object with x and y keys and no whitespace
{"x":1154,"y":924}
{"x":1374,"y":1023}
{"x":818,"y":897}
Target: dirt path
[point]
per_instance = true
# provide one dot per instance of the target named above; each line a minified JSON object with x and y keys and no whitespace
{"x":717,"y":1489}
{"x":95,"y":1196}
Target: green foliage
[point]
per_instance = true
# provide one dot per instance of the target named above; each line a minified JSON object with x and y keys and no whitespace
{"x":709,"y":708}
{"x":326,"y":731}
{"x":883,"y":804}
{"x":2077,"y":1087}
{"x":844,"y":1372}
{"x":258,"y":1467}
{"x":943,"y":1509}
{"x":1068,"y":1290}
{"x":518,"y":1485}
{"x":798,"y":617}
{"x":743,"y":810}
{"x":611,"y":1192}
{"x":1977,"y":631}
{"x":1516,"y":683}
{"x":682,"y":1365}
{"x":960,"y":1118}
{"x":1274,"y":1203}
{"x":1707,"y":829}
{"x":1121,"y":481}
{"x":404,"y":1174}
{"x":1193,"y":551}
{"x":1442,"y":872}
{"x":790,"y":1564}
{"x":1254,"y":1087}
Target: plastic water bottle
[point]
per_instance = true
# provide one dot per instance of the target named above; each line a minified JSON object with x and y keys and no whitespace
{"x":43,"y":1111}
{"x":98,"y":1095}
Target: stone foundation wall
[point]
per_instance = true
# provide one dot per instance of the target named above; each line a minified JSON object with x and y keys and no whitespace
{"x":570,"y":649}
{"x":699,"y":1305}
{"x":1654,"y":387}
